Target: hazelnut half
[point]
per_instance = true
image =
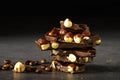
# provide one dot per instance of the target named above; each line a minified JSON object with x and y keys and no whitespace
{"x":77,"y":38}
{"x":68,"y":37}
{"x":45,"y":46}
{"x":54,"y":44}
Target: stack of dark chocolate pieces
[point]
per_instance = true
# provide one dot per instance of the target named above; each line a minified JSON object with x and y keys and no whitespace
{"x":72,"y":46}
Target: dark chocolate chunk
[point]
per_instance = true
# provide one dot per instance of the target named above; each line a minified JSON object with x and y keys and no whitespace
{"x":68,"y":67}
{"x":85,"y":52}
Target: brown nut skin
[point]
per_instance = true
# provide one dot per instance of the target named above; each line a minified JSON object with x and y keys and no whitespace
{"x":69,"y":34}
{"x":62,"y":31}
{"x":72,"y":65}
{"x":86,"y":33}
{"x":53,"y":32}
{"x":42,"y":41}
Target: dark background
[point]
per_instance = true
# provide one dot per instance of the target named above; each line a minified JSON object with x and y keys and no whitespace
{"x":21,"y":23}
{"x":37,"y":17}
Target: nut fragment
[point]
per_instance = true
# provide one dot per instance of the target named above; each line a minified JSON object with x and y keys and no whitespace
{"x":71,"y":68}
{"x":86,"y":59}
{"x":98,"y":42}
{"x":54,"y":44}
{"x":45,"y":46}
{"x":19,"y":67}
{"x":86,"y":37}
{"x":77,"y":38}
{"x":53,"y":64}
{"x":68,"y":23}
{"x":71,"y":57}
{"x":68,"y":37}
{"x":55,"y":52}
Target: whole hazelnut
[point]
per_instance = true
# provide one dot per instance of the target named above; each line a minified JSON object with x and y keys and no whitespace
{"x":68,"y":23}
{"x":72,"y":57}
{"x":19,"y":67}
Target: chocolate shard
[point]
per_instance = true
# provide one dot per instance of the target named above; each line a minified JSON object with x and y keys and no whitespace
{"x":85,"y":52}
{"x":72,"y":58}
{"x":75,"y":28}
{"x":68,"y":67}
{"x":87,"y":41}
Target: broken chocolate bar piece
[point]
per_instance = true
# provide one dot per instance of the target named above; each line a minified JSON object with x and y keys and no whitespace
{"x":85,"y":52}
{"x":72,"y":27}
{"x":87,"y":41}
{"x":67,"y":67}
{"x":73,"y":58}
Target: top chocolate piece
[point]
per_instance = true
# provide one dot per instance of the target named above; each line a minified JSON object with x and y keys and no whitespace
{"x":69,"y":35}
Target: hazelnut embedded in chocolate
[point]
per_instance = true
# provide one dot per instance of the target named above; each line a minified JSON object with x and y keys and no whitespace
{"x":43,"y":43}
{"x":54,"y":44}
{"x":77,"y":38}
{"x":72,"y":57}
{"x":68,"y":37}
{"x":68,"y":23}
{"x":71,"y":68}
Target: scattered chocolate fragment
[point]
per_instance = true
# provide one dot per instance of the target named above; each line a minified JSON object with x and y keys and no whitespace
{"x":30,"y":69}
{"x":38,"y":70}
{"x":43,"y":67}
{"x":6,"y":61}
{"x":48,"y":68}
